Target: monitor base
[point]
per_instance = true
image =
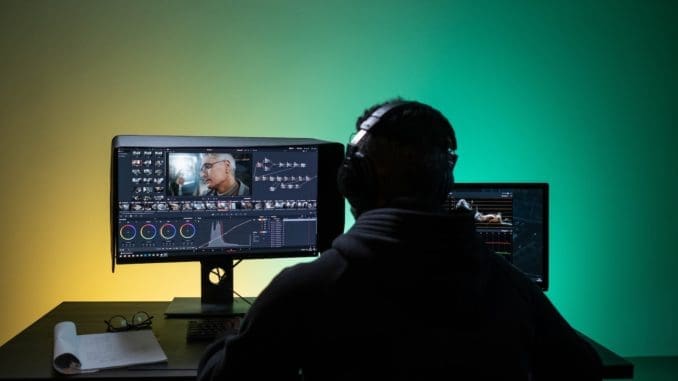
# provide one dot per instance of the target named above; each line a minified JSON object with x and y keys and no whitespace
{"x":194,"y":308}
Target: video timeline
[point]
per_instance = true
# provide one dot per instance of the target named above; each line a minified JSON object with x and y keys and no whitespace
{"x":223,"y":206}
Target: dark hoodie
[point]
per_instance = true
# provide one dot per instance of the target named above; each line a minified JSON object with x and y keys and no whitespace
{"x":403,"y":295}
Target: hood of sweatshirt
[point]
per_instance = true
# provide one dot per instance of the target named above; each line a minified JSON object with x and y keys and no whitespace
{"x":415,"y":255}
{"x":401,"y":232}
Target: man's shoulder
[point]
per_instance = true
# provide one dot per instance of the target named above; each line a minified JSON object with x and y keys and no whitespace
{"x":302,"y":281}
{"x":323,"y":269}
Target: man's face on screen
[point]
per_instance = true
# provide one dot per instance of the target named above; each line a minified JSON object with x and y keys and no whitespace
{"x":214,"y":172}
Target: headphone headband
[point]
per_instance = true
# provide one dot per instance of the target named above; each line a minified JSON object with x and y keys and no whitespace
{"x":373,"y":119}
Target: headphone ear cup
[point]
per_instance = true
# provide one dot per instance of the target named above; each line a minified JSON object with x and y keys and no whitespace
{"x":356,"y":183}
{"x":344,"y":180}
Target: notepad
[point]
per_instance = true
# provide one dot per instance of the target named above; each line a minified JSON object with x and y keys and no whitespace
{"x":74,"y":354}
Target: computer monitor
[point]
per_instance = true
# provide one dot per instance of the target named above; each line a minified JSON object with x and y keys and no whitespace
{"x":220,"y":199}
{"x":512,"y":220}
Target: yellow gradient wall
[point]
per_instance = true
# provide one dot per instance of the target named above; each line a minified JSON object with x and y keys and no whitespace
{"x":575,"y":93}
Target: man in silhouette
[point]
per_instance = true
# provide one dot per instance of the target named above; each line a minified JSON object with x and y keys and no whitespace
{"x":408,"y":292}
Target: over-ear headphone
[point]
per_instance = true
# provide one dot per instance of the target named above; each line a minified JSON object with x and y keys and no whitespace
{"x":356,"y":177}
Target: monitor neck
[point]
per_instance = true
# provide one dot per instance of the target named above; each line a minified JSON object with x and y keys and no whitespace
{"x":216,"y":284}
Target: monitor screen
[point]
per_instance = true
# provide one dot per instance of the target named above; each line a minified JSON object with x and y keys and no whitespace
{"x":218,"y":199}
{"x":512,"y":220}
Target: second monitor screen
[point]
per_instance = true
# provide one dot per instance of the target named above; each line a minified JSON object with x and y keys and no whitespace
{"x":511,"y":220}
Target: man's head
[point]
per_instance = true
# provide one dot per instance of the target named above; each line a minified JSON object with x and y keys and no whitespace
{"x":402,"y":154}
{"x":218,"y":171}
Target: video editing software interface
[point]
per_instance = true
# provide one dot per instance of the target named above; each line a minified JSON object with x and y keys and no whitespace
{"x":173,"y":205}
{"x":512,"y":220}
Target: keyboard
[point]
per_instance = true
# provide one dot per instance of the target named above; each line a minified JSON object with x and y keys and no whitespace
{"x":212,"y":329}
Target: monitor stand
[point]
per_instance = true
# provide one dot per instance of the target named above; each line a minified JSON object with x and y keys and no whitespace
{"x":216,"y":284}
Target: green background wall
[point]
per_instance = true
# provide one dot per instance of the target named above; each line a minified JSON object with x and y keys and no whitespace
{"x":579,"y":94}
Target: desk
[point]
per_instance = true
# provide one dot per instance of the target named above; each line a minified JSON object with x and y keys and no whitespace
{"x":29,"y":354}
{"x":614,"y":365}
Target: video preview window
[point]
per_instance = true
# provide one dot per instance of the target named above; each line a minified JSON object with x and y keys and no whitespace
{"x":218,"y":174}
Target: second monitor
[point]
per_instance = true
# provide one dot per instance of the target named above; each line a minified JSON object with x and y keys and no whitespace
{"x":512,"y":220}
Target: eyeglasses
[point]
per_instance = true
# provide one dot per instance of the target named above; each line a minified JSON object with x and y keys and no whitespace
{"x":452,"y":158}
{"x":140,"y":320}
{"x":208,"y":166}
